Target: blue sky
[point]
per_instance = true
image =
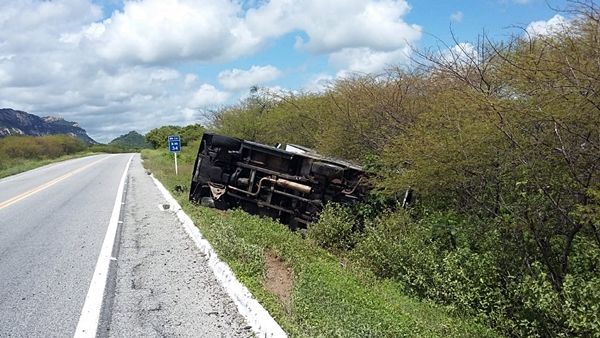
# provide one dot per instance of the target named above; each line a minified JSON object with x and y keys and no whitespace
{"x":439,"y":19}
{"x":116,"y":66}
{"x":494,"y":16}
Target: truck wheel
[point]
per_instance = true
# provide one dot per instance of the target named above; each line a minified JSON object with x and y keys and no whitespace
{"x":207,"y":202}
{"x":226,"y":142}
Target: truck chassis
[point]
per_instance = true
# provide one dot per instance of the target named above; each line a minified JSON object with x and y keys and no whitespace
{"x":291,"y":184}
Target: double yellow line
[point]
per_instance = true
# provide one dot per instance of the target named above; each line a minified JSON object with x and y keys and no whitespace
{"x":46,"y":185}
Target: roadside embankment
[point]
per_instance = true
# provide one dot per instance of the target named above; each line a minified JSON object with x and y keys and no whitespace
{"x":309,"y":291}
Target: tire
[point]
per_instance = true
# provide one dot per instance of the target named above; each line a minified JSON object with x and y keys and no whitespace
{"x":226,"y":142}
{"x":207,"y":202}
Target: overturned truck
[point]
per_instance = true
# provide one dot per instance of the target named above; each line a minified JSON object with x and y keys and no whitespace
{"x":290,"y":183}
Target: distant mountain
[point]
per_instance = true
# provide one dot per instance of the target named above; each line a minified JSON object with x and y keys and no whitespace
{"x":133,"y":139}
{"x":15,"y":122}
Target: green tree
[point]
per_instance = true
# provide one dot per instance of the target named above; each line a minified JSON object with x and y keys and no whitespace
{"x":190,"y":133}
{"x":157,"y":137}
{"x":246,"y":119}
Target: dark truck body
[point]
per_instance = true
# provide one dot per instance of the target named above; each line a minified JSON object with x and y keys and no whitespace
{"x":290,"y":185}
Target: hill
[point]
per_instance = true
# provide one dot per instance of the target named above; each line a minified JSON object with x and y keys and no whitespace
{"x":15,"y":122}
{"x":133,"y":139}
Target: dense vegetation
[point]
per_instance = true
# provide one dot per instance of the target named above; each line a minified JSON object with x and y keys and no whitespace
{"x":32,"y":147}
{"x":131,"y":140}
{"x":158,"y":137}
{"x":318,"y":296}
{"x":19,"y":153}
{"x":502,"y":146}
{"x":22,"y":153}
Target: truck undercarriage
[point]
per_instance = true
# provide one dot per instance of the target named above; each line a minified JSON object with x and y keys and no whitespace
{"x":290,"y":185}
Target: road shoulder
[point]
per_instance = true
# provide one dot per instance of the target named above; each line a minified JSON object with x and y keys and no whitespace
{"x":163,"y":284}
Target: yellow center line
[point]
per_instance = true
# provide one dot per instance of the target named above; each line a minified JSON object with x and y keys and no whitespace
{"x":46,"y":185}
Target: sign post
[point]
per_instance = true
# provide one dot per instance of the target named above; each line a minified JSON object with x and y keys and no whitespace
{"x":174,"y":147}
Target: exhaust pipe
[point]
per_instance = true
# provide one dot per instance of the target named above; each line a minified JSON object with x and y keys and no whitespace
{"x":305,"y":189}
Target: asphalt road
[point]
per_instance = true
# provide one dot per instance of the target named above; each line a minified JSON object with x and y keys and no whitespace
{"x":53,"y":224}
{"x":53,"y":221}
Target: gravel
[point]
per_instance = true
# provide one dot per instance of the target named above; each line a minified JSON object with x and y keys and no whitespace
{"x":163,"y":286}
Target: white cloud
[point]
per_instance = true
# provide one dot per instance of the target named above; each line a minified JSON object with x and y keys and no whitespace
{"x":29,"y":25}
{"x":358,"y":35}
{"x":319,"y":83}
{"x":460,"y":54}
{"x":457,"y":16}
{"x":554,"y":25}
{"x":48,"y":66}
{"x":118,"y":73}
{"x":337,"y":24}
{"x":4,"y":77}
{"x":366,"y":60}
{"x":190,"y":80}
{"x":111,"y":103}
{"x":236,"y":79}
{"x":208,"y":95}
{"x":158,"y":31}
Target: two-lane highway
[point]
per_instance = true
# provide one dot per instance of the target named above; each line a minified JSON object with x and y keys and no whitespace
{"x":53,"y":221}
{"x":64,"y":272}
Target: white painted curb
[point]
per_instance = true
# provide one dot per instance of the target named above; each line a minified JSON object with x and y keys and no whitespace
{"x":257,"y":317}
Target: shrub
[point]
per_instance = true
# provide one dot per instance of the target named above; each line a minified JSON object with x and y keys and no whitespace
{"x":393,"y":246}
{"x":582,"y":305}
{"x":108,"y":148}
{"x":335,"y":228}
{"x":470,"y":282}
{"x":3,"y":160}
{"x":39,"y":147}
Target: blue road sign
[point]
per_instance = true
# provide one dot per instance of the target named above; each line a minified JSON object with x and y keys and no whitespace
{"x":174,"y":143}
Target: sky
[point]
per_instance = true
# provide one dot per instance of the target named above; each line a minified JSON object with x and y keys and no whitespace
{"x":116,"y":66}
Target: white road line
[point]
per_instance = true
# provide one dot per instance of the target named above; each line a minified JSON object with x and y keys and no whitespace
{"x":46,"y":185}
{"x":90,"y":314}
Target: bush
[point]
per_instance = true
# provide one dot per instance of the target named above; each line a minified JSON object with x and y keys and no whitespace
{"x":109,"y":148}
{"x":449,"y":261}
{"x":335,"y":228}
{"x":393,"y":246}
{"x":572,"y":311}
{"x":470,"y":282}
{"x":3,"y":160}
{"x":39,"y":147}
{"x":157,"y":137}
{"x":582,"y":306}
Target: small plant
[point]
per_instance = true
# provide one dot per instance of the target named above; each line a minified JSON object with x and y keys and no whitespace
{"x":335,"y":228}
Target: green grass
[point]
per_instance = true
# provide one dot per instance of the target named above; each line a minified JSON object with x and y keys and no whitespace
{"x":329,"y":299}
{"x":19,"y":165}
